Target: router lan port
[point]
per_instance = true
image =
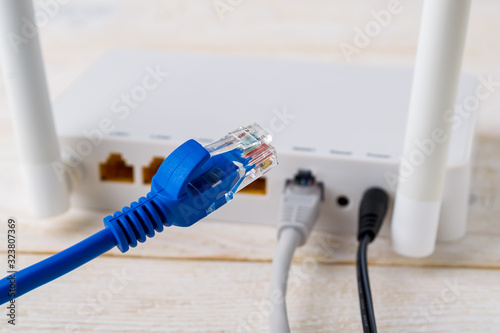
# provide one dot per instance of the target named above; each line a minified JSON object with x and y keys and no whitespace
{"x":116,"y":170}
{"x":149,"y":171}
{"x":257,"y":187}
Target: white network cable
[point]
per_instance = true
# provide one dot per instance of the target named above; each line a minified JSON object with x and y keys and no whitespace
{"x":299,"y":212}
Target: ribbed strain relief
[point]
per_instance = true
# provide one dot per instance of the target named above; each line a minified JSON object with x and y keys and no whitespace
{"x":368,"y":225}
{"x":134,"y":223}
{"x":372,"y":212}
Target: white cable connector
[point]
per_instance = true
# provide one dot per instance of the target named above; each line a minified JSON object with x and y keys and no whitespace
{"x":300,"y":205}
{"x":299,"y":212}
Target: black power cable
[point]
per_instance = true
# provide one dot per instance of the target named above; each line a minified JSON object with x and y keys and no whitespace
{"x":371,"y":215}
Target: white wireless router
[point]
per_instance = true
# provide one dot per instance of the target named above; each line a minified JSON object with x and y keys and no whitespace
{"x":345,"y":123}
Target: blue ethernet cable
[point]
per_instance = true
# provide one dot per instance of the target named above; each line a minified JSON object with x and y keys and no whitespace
{"x":192,"y":182}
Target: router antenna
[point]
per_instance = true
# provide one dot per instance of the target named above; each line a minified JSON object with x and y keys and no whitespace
{"x":435,"y":82}
{"x":29,"y":104}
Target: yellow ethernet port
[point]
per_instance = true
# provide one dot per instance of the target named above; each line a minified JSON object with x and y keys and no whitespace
{"x":257,"y":187}
{"x":149,"y":171}
{"x":116,"y":170}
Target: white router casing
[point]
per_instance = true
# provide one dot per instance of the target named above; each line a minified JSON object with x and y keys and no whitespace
{"x":345,"y":123}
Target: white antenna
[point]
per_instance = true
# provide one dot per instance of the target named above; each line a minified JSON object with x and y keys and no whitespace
{"x":29,"y":104}
{"x":435,"y":83}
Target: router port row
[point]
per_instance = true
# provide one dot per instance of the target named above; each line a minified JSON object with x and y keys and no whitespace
{"x":115,"y":169}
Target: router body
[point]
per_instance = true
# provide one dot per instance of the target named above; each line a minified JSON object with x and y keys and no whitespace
{"x":345,"y":123}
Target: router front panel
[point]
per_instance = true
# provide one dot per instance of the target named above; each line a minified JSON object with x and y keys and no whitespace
{"x":335,"y":120}
{"x":350,"y":179}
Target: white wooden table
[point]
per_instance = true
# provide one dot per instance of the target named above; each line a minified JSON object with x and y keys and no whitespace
{"x":213,"y":277}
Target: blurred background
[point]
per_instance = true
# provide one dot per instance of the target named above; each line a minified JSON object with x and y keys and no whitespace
{"x":76,"y":32}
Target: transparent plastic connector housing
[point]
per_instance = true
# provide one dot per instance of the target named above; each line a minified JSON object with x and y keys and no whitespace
{"x":253,"y":145}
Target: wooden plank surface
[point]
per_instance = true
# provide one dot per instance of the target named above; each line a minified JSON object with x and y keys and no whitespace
{"x":214,"y":276}
{"x":162,"y":295}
